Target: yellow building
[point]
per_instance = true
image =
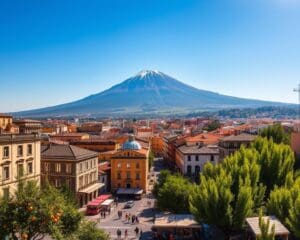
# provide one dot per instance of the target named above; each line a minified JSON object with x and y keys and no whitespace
{"x":129,"y":166}
{"x":19,"y":160}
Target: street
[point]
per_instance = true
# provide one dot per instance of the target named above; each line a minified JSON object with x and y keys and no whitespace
{"x":145,"y":212}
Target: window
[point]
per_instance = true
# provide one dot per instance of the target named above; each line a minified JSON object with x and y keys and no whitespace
{"x":86,"y":179}
{"x":128,"y":175}
{"x":29,"y":168}
{"x":80,"y":167}
{"x":20,"y":150}
{"x":57,"y":183}
{"x":68,"y":168}
{"x":137,"y":176}
{"x":212,"y":158}
{"x":80,"y":182}
{"x":6,"y":172}
{"x":57,"y":167}
{"x":119,"y":176}
{"x":189,"y":158}
{"x":46,"y":167}
{"x":6,"y":152}
{"x":86,"y":165}
{"x":29,"y":149}
{"x":20,"y":170}
{"x":128,"y":165}
{"x":197,"y":158}
{"x":119,"y":165}
{"x":137,"y":165}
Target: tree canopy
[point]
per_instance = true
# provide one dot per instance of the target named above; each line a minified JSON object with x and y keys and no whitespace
{"x":238,"y":187}
{"x":277,"y":133}
{"x":34,"y":213}
{"x":284,"y":202}
{"x":177,"y":188}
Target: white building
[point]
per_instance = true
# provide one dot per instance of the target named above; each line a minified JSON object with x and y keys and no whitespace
{"x":190,"y":159}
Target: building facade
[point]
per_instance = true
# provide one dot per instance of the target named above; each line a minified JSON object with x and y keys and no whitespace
{"x":28,"y":126}
{"x":19,"y":160}
{"x":157,"y":146}
{"x":129,"y":166}
{"x":71,"y":167}
{"x":190,"y":159}
{"x":230,"y":144}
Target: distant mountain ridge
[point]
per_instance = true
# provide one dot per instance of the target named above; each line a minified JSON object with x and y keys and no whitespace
{"x":145,"y":93}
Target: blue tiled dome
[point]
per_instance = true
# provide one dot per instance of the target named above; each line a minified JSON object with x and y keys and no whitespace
{"x":131,"y":144}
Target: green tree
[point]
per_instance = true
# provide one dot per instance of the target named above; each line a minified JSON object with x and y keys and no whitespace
{"x":276,"y":161}
{"x":264,"y":229}
{"x":34,"y":213}
{"x":213,"y":125}
{"x":162,"y":178}
{"x":235,"y":188}
{"x":284,"y":203}
{"x":88,"y":231}
{"x":293,"y":219}
{"x":178,"y":189}
{"x":277,"y":133}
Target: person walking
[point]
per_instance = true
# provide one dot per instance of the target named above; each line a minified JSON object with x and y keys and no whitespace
{"x":119,"y":234}
{"x":129,"y":218}
{"x":126,"y":234}
{"x":141,"y":235}
{"x":136,"y":230}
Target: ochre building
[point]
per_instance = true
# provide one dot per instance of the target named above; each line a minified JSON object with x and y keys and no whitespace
{"x":129,"y":166}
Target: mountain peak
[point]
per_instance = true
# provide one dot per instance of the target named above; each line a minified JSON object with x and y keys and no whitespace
{"x":148,"y":92}
{"x":145,"y":73}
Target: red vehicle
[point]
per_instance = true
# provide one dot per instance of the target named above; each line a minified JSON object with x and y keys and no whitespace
{"x":94,"y":206}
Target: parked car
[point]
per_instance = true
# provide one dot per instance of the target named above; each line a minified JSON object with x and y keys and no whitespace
{"x":129,"y":204}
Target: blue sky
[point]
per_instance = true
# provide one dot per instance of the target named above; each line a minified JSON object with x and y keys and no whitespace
{"x":53,"y":52}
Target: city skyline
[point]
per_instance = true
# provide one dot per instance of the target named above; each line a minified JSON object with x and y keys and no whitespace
{"x":53,"y":52}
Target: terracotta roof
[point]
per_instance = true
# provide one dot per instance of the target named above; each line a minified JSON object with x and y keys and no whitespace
{"x":67,"y":152}
{"x":195,"y":149}
{"x":239,"y":138}
{"x":206,"y":138}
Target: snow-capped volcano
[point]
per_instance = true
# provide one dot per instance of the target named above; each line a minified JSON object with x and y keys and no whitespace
{"x":147,"y":92}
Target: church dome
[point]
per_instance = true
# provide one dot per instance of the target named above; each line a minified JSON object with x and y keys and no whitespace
{"x":131,"y":144}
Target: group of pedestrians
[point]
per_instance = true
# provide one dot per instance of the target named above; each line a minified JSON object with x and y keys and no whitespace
{"x":138,"y":234}
{"x":131,"y":218}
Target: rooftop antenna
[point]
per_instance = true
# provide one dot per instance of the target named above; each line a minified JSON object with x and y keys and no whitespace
{"x":298,"y":91}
